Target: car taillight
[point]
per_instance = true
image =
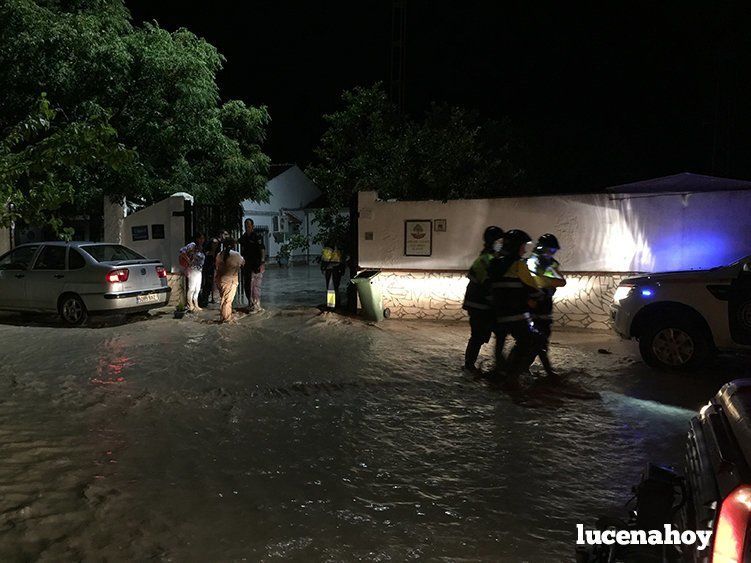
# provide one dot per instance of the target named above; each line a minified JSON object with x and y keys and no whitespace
{"x":118,"y":276}
{"x":161,"y":272}
{"x":730,"y":534}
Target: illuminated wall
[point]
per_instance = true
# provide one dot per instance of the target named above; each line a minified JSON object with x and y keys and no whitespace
{"x":604,"y":238}
{"x":598,"y":233}
{"x":583,"y":303}
{"x":423,"y":295}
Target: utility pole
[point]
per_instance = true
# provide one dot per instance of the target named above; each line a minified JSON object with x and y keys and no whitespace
{"x":398,"y":60}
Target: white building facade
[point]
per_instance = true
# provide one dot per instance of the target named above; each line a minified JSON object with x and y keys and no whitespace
{"x":289,"y":211}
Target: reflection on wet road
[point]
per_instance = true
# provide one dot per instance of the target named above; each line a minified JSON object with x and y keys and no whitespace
{"x":302,"y":435}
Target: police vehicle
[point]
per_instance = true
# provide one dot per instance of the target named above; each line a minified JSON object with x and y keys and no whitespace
{"x":681,"y":318}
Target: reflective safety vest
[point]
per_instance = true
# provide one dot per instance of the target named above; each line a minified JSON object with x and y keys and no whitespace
{"x":511,"y":286}
{"x":332,"y":256}
{"x":544,"y":269}
{"x":477,"y":295}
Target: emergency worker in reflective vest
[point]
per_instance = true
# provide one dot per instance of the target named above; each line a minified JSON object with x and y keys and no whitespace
{"x":512,"y":286}
{"x":477,"y":297}
{"x":332,"y":266}
{"x":542,"y":265}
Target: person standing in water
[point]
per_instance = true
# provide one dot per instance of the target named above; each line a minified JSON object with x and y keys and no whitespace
{"x":512,"y":286}
{"x":332,"y":266}
{"x":227,"y":269}
{"x":192,"y":259}
{"x":212,"y":248}
{"x":542,"y":265}
{"x":477,"y":298}
{"x":254,"y":254}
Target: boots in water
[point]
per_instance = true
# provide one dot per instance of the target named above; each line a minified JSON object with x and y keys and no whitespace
{"x":552,"y":375}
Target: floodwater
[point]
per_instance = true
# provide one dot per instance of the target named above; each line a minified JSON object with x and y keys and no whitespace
{"x":304,"y":436}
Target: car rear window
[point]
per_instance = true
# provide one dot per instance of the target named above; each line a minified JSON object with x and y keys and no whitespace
{"x":51,"y":258}
{"x":75,"y":260}
{"x":110,"y":252}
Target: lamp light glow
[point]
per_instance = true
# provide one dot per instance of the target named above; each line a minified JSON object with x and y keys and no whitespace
{"x":622,"y":292}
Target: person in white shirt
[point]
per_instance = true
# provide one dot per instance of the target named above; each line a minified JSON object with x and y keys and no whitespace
{"x":191,"y":259}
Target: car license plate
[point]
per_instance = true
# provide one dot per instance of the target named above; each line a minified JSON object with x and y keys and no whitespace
{"x":148,"y":298}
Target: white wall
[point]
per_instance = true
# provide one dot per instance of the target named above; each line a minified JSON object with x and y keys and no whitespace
{"x":160,"y":213}
{"x":598,"y":233}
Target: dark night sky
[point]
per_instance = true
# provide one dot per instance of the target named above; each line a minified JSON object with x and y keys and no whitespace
{"x":598,"y":95}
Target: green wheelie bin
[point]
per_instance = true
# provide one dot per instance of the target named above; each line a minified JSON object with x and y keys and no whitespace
{"x":370,"y":295}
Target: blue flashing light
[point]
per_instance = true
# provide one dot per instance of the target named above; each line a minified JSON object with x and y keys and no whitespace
{"x":646,"y":292}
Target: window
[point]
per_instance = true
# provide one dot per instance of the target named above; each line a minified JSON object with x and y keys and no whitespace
{"x":110,"y":252}
{"x":141,"y":232}
{"x":18,"y":259}
{"x":275,"y":221}
{"x":157,"y":231}
{"x":75,"y":260}
{"x":51,"y":258}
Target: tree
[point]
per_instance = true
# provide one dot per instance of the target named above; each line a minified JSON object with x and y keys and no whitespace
{"x":151,"y":95}
{"x":452,"y":155}
{"x":448,"y":154}
{"x":361,"y":149}
{"x":41,"y":157}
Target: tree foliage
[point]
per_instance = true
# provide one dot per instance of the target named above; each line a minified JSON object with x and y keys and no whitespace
{"x":40,"y":156}
{"x":447,"y":154}
{"x":136,"y":109}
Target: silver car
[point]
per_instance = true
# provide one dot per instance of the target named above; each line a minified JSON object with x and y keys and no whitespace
{"x":78,"y":278}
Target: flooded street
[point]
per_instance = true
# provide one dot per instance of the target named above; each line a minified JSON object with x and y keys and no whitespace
{"x":296,"y":434}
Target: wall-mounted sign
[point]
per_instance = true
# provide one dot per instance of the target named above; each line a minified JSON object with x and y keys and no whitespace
{"x":157,"y":231}
{"x":418,"y":239}
{"x":141,"y":232}
{"x":440,"y":225}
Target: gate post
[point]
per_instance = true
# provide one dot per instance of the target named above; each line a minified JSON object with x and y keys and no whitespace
{"x":354,"y":264}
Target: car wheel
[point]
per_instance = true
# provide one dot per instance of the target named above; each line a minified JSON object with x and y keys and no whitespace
{"x":674,"y":345}
{"x":72,"y":310}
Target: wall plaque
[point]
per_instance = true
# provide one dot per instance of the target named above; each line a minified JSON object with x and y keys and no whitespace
{"x":418,"y":237}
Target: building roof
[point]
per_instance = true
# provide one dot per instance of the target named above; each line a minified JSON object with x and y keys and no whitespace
{"x":294,"y":218}
{"x":278,"y":169}
{"x":681,"y":183}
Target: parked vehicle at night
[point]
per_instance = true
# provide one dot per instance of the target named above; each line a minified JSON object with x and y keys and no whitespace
{"x":718,"y":474}
{"x":75,"y":279}
{"x":682,"y":318}
{"x":713,"y":494}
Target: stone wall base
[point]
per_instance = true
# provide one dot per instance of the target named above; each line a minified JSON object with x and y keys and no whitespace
{"x":584,"y":302}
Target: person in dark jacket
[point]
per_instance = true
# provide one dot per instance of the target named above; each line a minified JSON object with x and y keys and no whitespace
{"x":211,"y":249}
{"x":477,"y":297}
{"x":542,"y":265}
{"x":512,"y":286}
{"x":254,"y":253}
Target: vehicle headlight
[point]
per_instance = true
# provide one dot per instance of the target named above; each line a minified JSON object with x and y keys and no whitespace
{"x":622,"y":292}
